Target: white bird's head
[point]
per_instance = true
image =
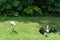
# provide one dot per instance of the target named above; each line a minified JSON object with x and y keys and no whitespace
{"x":12,"y":23}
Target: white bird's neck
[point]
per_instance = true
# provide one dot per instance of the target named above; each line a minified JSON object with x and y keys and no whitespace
{"x":47,"y":27}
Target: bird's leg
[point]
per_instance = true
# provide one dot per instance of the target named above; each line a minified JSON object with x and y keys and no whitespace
{"x":46,"y":34}
{"x":14,"y":30}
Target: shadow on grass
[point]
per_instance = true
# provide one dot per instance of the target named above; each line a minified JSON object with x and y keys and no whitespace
{"x":52,"y":21}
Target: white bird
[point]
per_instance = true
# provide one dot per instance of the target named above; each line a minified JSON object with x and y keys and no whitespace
{"x":13,"y":26}
{"x":12,"y":23}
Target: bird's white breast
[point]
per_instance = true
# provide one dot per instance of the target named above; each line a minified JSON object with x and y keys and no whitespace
{"x":47,"y":30}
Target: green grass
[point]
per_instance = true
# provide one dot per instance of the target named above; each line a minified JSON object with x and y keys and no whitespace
{"x":28,"y":28}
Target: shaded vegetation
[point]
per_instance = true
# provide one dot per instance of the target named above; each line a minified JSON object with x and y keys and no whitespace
{"x":29,"y":8}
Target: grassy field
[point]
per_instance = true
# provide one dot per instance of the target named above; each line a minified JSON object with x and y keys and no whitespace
{"x":28,"y":28}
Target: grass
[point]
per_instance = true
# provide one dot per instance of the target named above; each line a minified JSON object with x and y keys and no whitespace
{"x":28,"y":28}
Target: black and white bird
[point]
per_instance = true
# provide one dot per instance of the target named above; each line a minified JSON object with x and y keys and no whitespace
{"x":47,"y":30}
